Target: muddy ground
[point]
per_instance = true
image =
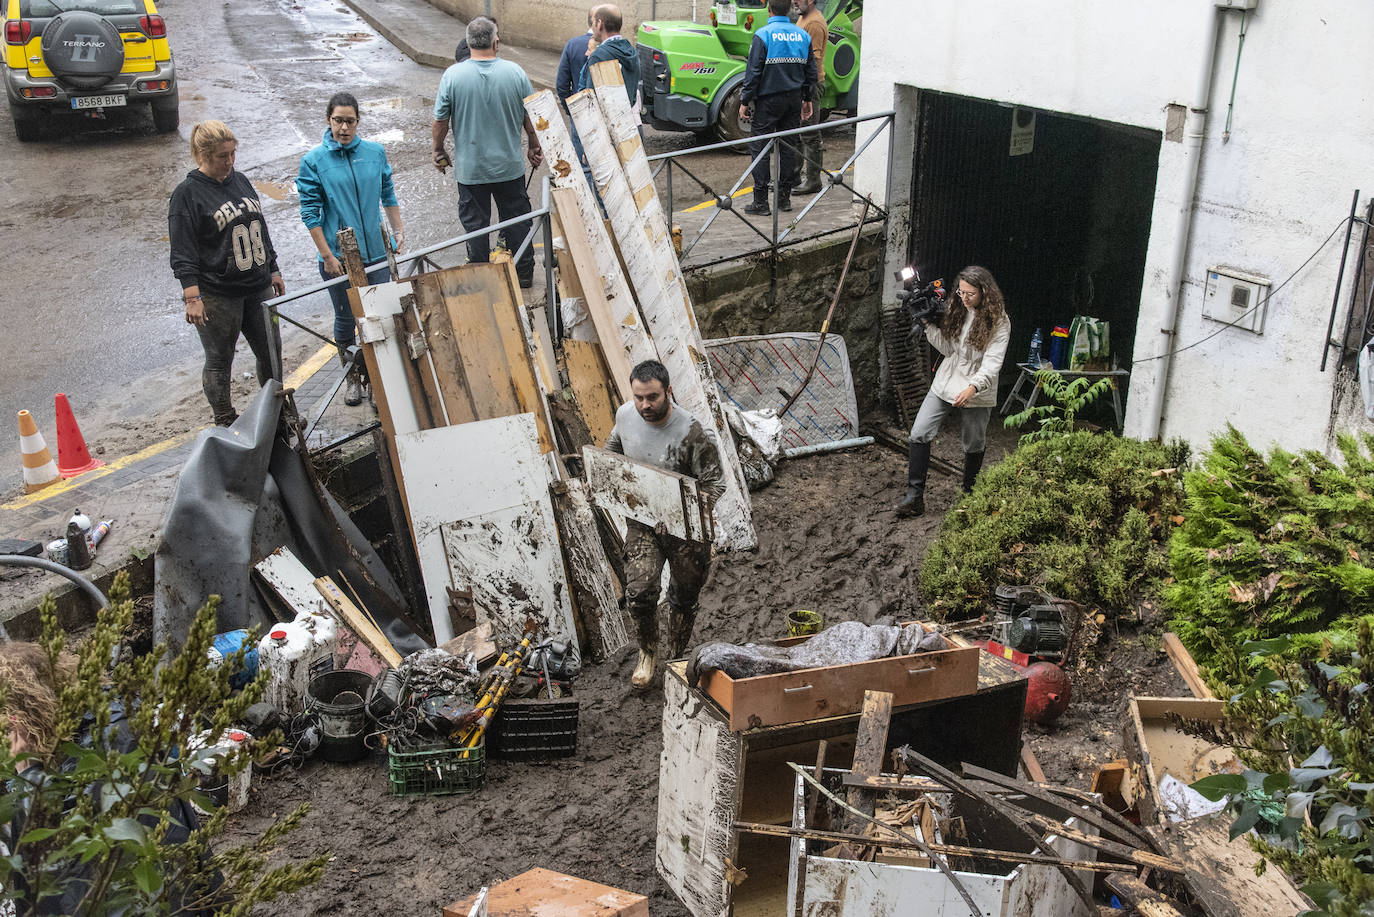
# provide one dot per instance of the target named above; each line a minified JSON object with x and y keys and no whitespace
{"x":828,"y":542}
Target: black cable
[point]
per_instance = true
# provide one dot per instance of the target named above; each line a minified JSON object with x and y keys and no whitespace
{"x":1261,"y":303}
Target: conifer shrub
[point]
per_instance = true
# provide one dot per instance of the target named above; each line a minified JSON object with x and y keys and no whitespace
{"x":1274,"y":546}
{"x":1087,"y":516}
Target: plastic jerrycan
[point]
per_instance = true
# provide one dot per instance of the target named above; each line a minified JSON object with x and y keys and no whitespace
{"x":293,"y":653}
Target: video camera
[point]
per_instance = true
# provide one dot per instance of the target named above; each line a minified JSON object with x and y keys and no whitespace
{"x":920,"y":303}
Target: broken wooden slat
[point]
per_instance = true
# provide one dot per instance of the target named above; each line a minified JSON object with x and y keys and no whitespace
{"x":1133,"y":892}
{"x":588,"y":570}
{"x":608,"y":295}
{"x":1125,"y":852}
{"x":495,"y":534}
{"x":1096,"y":820}
{"x":289,"y":579}
{"x":869,"y":749}
{"x":592,"y":386}
{"x":1034,"y":772}
{"x":477,"y":641}
{"x":1187,"y":668}
{"x":646,"y":493}
{"x":489,"y":362}
{"x":357,"y":621}
{"x":1001,"y":856}
{"x":668,"y":316}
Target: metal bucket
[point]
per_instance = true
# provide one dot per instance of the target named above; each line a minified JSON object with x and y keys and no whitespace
{"x":337,"y":698}
{"x":802,"y":623}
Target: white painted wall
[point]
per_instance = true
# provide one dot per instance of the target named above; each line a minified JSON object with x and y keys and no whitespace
{"x":1301,"y":142}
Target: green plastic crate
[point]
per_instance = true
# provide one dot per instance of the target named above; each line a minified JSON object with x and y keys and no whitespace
{"x":435,"y":768}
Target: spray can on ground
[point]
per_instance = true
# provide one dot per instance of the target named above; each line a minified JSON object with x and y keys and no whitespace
{"x":100,"y":531}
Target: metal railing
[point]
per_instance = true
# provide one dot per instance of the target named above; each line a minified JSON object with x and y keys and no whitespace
{"x":780,"y":237}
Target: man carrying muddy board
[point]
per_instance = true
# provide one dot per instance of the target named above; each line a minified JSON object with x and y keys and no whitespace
{"x":654,"y":430}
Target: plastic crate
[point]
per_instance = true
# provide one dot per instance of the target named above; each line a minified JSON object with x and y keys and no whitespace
{"x":435,"y":768}
{"x":535,"y":728}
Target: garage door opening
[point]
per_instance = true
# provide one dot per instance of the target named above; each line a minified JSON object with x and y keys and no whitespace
{"x":1057,"y":207}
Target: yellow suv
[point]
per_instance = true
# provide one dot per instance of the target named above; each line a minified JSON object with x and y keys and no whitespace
{"x":87,"y":56}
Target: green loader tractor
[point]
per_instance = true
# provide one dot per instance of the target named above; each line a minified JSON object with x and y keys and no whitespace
{"x":692,"y":73}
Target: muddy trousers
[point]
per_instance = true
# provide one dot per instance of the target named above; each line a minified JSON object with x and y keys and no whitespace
{"x":225,"y":318}
{"x":688,"y":564}
{"x":973,"y":429}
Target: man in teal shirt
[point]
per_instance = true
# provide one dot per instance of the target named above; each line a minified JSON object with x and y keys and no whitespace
{"x":483,"y":97}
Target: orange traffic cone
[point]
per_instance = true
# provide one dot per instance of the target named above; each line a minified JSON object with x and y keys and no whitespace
{"x":39,"y":468}
{"x":72,"y":457}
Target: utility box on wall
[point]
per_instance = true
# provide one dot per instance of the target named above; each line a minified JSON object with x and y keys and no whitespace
{"x":1236,"y":298}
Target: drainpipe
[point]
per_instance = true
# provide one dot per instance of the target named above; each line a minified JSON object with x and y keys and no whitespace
{"x":1194,"y":132}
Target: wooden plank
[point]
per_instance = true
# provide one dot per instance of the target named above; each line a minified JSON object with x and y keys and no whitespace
{"x":607,"y":297}
{"x":667,"y":314}
{"x":423,"y":391}
{"x":477,"y":641}
{"x":699,"y":780}
{"x":1183,"y":661}
{"x":449,"y":377}
{"x":1220,"y":872}
{"x":809,"y":694}
{"x":646,"y":493}
{"x":1133,"y":892}
{"x":484,"y":522}
{"x":285,"y":575}
{"x":588,"y":569}
{"x":357,"y":621}
{"x":1034,"y":772}
{"x":592,"y":386}
{"x":869,"y":750}
{"x":623,"y":124}
{"x":488,"y":361}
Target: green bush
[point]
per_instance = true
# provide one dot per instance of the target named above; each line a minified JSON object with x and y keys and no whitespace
{"x":96,"y":811}
{"x":1305,"y":730}
{"x":1084,"y":515}
{"x":1274,"y":546}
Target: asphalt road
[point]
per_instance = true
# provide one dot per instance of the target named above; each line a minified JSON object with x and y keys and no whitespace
{"x":86,"y":294}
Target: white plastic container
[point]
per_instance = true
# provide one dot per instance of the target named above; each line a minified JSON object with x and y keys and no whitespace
{"x":231,"y":792}
{"x":293,"y":653}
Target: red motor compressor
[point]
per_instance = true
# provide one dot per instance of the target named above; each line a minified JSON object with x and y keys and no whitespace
{"x":1030,"y":631}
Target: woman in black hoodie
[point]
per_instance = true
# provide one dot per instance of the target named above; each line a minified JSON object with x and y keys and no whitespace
{"x":223,"y":256}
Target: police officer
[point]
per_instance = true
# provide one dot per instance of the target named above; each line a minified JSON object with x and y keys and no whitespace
{"x":780,"y":83}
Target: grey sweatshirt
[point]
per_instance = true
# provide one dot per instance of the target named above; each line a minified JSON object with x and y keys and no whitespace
{"x":681,"y":445}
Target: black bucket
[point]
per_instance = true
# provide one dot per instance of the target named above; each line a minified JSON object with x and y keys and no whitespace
{"x":337,"y":698}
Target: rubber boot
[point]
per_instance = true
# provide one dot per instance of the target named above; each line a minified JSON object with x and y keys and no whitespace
{"x":759,"y":207}
{"x":918,"y":464}
{"x":784,"y":199}
{"x":973,"y":462}
{"x":680,"y":622}
{"x":644,"y":671}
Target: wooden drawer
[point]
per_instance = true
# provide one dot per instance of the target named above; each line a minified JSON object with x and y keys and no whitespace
{"x":809,"y":694}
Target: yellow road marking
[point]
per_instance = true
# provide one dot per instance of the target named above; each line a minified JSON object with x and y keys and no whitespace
{"x":297,"y":378}
{"x":63,"y":487}
{"x":301,"y":373}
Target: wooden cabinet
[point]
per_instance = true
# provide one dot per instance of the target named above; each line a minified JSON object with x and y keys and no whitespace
{"x":711,"y":777}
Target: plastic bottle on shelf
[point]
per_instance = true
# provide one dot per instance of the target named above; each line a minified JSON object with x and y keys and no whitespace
{"x":293,"y":653}
{"x":1033,"y":359}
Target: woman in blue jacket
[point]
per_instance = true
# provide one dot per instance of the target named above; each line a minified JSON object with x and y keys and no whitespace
{"x":346,"y":181}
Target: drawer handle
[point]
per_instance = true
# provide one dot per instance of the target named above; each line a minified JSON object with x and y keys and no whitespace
{"x":796,"y":690}
{"x":929,"y":668}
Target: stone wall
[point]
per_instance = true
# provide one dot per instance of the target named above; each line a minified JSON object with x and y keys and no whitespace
{"x":734,"y":299}
{"x":549,"y":23}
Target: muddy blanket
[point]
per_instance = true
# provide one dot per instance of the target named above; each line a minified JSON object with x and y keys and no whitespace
{"x":842,"y":644}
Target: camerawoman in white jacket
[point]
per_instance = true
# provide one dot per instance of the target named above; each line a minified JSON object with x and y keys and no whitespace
{"x":972,"y":335}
